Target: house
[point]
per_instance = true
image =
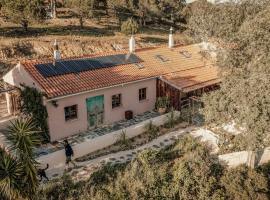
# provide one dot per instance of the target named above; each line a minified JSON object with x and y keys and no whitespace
{"x":88,"y":91}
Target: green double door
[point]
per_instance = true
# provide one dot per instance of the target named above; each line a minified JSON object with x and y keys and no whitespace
{"x":95,"y":111}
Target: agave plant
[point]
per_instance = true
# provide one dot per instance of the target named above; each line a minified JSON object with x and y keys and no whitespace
{"x":23,"y":136}
{"x":11,"y":173}
{"x":18,"y":172}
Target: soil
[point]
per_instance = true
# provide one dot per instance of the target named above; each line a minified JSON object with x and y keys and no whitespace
{"x":95,"y":37}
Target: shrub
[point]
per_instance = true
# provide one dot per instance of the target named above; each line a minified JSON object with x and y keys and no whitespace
{"x":129,"y":27}
{"x":123,"y":141}
{"x":151,"y":130}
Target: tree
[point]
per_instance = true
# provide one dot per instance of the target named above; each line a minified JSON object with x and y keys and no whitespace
{"x":129,"y":27}
{"x":24,"y":12}
{"x":53,"y":9}
{"x":82,"y":8}
{"x":18,"y":175}
{"x":244,"y":96}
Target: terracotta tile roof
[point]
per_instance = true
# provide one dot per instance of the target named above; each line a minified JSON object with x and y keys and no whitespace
{"x":193,"y":79}
{"x":89,"y":80}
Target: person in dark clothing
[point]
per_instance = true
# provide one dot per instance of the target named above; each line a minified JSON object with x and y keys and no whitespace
{"x":69,"y":153}
{"x":42,"y":173}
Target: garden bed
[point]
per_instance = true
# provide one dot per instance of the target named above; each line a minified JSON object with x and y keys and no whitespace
{"x":131,"y":143}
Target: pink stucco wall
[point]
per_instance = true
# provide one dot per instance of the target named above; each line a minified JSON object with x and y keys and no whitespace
{"x":59,"y":128}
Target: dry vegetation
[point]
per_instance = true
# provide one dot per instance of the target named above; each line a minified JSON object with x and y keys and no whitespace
{"x":95,"y":37}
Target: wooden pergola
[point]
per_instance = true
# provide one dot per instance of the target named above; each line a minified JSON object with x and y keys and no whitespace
{"x":11,"y":96}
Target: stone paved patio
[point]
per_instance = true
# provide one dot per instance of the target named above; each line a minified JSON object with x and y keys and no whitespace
{"x":91,"y":134}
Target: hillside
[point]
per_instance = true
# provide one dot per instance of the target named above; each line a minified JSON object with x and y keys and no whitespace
{"x":95,"y":37}
{"x":184,"y":171}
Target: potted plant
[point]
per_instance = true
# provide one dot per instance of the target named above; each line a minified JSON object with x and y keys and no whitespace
{"x":162,"y":104}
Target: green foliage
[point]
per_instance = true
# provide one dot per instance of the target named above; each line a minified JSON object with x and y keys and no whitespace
{"x":238,"y":186}
{"x":123,"y":141}
{"x":185,"y":171}
{"x":82,"y":8}
{"x":129,"y":27}
{"x":18,"y":174}
{"x":32,"y":105}
{"x":162,"y":102}
{"x":151,"y":130}
{"x":23,"y":136}
{"x":244,"y":96}
{"x":171,"y":119}
{"x":24,"y":12}
{"x":61,"y":189}
{"x":11,"y":173}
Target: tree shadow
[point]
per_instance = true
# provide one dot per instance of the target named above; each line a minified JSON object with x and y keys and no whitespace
{"x":153,"y":40}
{"x":58,"y":30}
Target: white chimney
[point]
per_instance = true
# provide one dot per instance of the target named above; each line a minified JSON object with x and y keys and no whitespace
{"x":171,"y":41}
{"x":56,"y":52}
{"x":132,"y":44}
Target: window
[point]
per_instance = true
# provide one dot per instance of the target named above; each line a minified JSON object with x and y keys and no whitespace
{"x":71,"y":112}
{"x":142,"y":94}
{"x":116,"y":100}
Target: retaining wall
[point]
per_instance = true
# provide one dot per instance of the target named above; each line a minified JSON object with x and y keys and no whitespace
{"x":249,"y":158}
{"x":57,"y":159}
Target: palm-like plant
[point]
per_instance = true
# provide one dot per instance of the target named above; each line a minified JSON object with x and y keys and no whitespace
{"x":18,"y":173}
{"x":23,"y":136}
{"x":11,"y":172}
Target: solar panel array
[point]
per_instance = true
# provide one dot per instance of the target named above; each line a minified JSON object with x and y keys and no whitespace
{"x":80,"y":65}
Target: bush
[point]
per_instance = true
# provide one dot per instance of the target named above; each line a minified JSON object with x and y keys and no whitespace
{"x":129,"y":27}
{"x":184,"y":171}
{"x":151,"y":130}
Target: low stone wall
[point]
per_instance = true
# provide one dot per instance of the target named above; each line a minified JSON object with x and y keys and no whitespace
{"x":234,"y":159}
{"x":264,"y":157}
{"x":249,"y":158}
{"x":57,"y":159}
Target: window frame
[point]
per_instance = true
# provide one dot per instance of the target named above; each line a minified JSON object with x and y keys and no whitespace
{"x":118,"y":103}
{"x":71,"y":116}
{"x":141,"y":91}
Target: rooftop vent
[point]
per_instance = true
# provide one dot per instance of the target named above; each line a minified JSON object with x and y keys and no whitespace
{"x":162,"y":58}
{"x":186,"y":54}
{"x":139,"y":65}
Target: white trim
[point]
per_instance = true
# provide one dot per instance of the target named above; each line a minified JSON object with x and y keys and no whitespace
{"x":98,"y":89}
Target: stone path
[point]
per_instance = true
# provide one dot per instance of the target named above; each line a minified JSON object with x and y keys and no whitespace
{"x":84,"y":169}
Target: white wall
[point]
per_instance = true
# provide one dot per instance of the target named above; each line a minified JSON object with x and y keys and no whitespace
{"x":18,"y":75}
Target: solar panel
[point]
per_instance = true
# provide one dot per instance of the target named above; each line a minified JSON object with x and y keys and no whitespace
{"x":80,"y":65}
